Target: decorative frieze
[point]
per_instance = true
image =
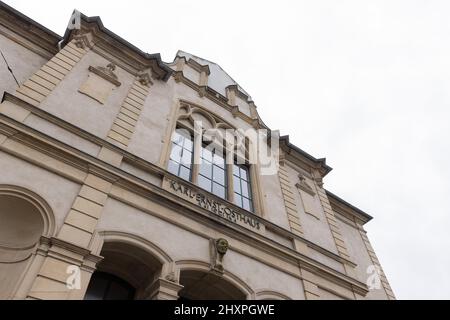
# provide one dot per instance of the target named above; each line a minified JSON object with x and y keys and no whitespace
{"x":220,"y":208}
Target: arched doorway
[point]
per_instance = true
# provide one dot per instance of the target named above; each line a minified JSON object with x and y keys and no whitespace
{"x":125,"y":273}
{"x":202,"y":285}
{"x":24,"y":218}
{"x":105,"y":286}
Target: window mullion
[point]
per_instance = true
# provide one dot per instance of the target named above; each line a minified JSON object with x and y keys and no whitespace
{"x":229,"y":161}
{"x":197,"y":153}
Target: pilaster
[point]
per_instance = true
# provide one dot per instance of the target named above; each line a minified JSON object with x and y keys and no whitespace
{"x":289,"y":201}
{"x":331,"y":219}
{"x":126,"y":120}
{"x":64,"y":273}
{"x":46,"y":79}
{"x":373,"y":257}
{"x":86,"y":210}
{"x":163,"y":289}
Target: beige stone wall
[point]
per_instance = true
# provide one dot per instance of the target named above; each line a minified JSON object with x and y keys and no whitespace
{"x":82,"y":110}
{"x":22,"y":61}
{"x":89,"y":135}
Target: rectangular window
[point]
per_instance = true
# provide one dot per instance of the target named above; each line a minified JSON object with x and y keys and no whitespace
{"x":242,"y":189}
{"x":181,"y":156}
{"x":212,"y":172}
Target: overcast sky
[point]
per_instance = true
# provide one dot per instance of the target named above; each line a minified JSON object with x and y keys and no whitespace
{"x":363,"y":83}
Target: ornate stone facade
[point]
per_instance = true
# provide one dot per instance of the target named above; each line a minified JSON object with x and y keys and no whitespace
{"x":89,"y":196}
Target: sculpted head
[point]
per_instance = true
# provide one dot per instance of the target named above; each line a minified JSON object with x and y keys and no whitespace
{"x":222,"y":246}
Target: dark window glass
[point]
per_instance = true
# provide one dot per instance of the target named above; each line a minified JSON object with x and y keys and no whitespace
{"x":181,"y":155}
{"x":242,"y":188}
{"x":104,"y":286}
{"x":212,"y":174}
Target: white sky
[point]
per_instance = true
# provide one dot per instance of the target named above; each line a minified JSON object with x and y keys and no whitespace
{"x":363,"y":83}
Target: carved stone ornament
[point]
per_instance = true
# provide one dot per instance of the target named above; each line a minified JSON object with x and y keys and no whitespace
{"x":202,"y":91}
{"x":317,"y":178}
{"x":219,"y":249}
{"x":144,"y":79}
{"x":304,"y":186}
{"x":83,"y":40}
{"x":171,"y":277}
{"x":222,"y":246}
{"x":100,"y":83}
{"x":106,"y":73}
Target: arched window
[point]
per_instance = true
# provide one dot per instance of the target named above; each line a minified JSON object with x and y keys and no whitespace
{"x":211,"y":162}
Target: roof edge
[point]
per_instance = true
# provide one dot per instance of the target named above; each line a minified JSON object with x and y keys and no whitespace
{"x":365,"y":217}
{"x":33,"y":31}
{"x":318,"y":163}
{"x":98,"y":22}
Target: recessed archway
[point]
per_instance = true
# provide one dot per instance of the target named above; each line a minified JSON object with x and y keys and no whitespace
{"x":200,"y":285}
{"x":25,"y":217}
{"x":130,"y":265}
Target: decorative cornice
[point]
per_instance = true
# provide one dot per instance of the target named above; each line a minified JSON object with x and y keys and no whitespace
{"x":118,"y":47}
{"x":197,"y":66}
{"x":30,"y":30}
{"x":348,"y":210}
{"x":303,"y":159}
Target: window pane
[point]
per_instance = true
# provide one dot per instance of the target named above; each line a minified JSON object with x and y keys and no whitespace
{"x":186,"y":158}
{"x":238,"y":200}
{"x":218,"y":190}
{"x":188,"y":144}
{"x":236,"y":170}
{"x":175,"y":154}
{"x":237,"y":184}
{"x":177,"y":138}
{"x":219,"y":175}
{"x":246,"y":204}
{"x":245,"y":192}
{"x":173,"y":167}
{"x":244,"y":174}
{"x":185,"y":173}
{"x":206,"y":169}
{"x":206,"y":154}
{"x":204,"y":183}
{"x":219,"y":161}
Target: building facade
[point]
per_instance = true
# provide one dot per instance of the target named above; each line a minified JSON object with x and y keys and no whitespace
{"x":109,"y":189}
